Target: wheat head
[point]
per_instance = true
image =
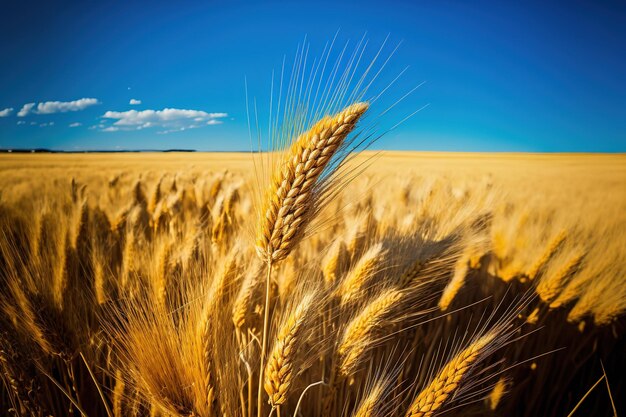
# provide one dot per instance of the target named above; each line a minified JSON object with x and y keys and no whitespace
{"x":361,"y":330}
{"x":498,"y":391}
{"x":280,"y":371}
{"x":370,"y":406}
{"x":288,"y":207}
{"x":334,"y":261}
{"x":432,"y":398}
{"x":551,"y":285}
{"x":553,"y":247}
{"x":359,"y":277}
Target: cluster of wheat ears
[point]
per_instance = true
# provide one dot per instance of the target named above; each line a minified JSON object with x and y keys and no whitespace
{"x":177,"y":298}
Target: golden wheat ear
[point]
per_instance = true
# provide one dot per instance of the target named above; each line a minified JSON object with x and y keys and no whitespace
{"x":298,"y":182}
{"x":282,"y":364}
{"x":444,"y":386}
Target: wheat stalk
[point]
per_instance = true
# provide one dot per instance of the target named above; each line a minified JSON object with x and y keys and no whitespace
{"x":207,"y":328}
{"x":357,"y":236}
{"x":291,"y":198}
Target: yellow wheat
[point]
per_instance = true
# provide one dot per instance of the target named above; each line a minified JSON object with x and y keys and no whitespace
{"x":290,"y":199}
{"x":432,"y":398}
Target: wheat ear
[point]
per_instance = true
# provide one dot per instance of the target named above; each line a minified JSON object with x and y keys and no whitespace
{"x":447,"y":382}
{"x":118,"y":393}
{"x":553,"y":247}
{"x":551,"y":286}
{"x":370,"y":406}
{"x":358,"y":278}
{"x":411,"y":273}
{"x":248,"y":298}
{"x":498,"y":391}
{"x":294,"y":187}
{"x":334,"y":261}
{"x":360,"y":332}
{"x":456,"y":282}
{"x":279,"y":371}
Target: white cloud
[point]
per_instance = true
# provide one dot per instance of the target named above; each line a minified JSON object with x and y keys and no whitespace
{"x":26,"y":108}
{"x":6,"y":112}
{"x":49,"y":107}
{"x":134,"y":102}
{"x":46,"y":124}
{"x":75,"y":124}
{"x":21,"y":122}
{"x":180,"y":129}
{"x":65,"y":106}
{"x":171,"y":119}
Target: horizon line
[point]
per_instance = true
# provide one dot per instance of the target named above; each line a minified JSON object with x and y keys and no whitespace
{"x":181,"y":150}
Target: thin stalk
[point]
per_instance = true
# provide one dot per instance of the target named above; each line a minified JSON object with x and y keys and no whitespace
{"x":69,"y":397}
{"x":295,"y":413}
{"x":585,"y":396}
{"x":249,"y":403}
{"x":266,"y":317}
{"x":102,"y":397}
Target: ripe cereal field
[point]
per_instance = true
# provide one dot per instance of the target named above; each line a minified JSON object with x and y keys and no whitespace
{"x":239,"y":284}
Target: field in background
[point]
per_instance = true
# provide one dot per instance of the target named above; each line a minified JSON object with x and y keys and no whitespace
{"x":482,"y":230}
{"x":591,"y":183}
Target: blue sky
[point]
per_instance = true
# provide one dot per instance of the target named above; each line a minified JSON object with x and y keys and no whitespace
{"x":499,"y":76}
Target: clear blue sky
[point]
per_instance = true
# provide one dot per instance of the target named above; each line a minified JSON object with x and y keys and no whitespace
{"x":500,"y":76}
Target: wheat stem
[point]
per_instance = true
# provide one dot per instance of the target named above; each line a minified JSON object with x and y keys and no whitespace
{"x":266,"y":316}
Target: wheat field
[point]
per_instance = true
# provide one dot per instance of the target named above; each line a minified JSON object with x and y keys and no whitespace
{"x":179,"y":284}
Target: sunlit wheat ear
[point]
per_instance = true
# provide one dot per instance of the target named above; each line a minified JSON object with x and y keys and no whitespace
{"x":456,"y":282}
{"x":281,"y":365}
{"x":118,"y":393}
{"x":446,"y":383}
{"x":298,"y":183}
{"x":552,"y":284}
{"x":357,"y":235}
{"x":553,"y":247}
{"x":370,"y":406}
{"x":358,"y":278}
{"x":360,"y":333}
{"x":599,"y":301}
{"x":156,"y":195}
{"x":499,"y":390}
{"x":248,"y":298}
{"x":160,"y":280}
{"x":334,"y":261}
